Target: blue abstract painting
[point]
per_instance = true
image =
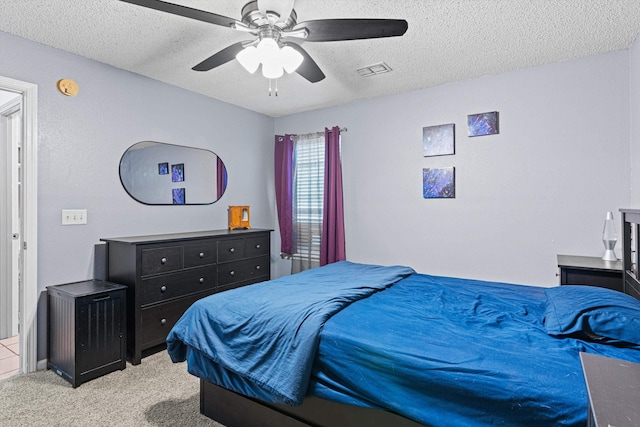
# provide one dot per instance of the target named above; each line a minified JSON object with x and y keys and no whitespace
{"x":483,"y":124}
{"x":438,"y":183}
{"x":163,"y":168}
{"x":438,"y":140}
{"x":177,"y":172}
{"x":178,"y":196}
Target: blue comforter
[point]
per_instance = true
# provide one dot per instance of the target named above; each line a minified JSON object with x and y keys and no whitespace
{"x":263,"y":338}
{"x":438,"y":350}
{"x":455,"y":352}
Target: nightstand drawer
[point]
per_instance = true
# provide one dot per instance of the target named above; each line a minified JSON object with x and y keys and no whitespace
{"x":590,"y":271}
{"x":176,"y":285}
{"x":161,"y":260}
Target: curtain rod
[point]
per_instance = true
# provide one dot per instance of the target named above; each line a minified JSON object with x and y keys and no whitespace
{"x":316,"y":134}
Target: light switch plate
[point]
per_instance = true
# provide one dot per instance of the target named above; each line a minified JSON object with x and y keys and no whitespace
{"x":74,"y":216}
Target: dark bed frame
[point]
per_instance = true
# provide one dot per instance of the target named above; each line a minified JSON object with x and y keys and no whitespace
{"x":235,"y":410}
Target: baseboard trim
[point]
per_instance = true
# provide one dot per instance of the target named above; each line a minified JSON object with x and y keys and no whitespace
{"x":42,"y":364}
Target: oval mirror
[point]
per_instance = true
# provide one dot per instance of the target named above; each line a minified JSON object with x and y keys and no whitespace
{"x":155,"y":173}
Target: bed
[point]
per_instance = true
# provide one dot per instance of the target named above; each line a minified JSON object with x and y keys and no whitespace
{"x":356,"y":344}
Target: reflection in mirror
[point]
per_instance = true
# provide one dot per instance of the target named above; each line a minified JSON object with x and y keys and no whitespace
{"x":155,"y":173}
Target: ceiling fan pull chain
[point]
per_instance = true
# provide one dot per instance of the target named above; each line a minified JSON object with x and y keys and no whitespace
{"x":276,"y":87}
{"x":269,"y":87}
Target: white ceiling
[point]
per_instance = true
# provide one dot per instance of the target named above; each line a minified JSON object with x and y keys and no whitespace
{"x":447,"y":40}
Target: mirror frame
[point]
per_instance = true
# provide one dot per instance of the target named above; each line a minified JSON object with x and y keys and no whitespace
{"x":181,"y":168}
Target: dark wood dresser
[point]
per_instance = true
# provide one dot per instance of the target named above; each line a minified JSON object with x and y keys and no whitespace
{"x":166,"y":273}
{"x":613,"y":390}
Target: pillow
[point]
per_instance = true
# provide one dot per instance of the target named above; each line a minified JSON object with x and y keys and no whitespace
{"x":592,"y":311}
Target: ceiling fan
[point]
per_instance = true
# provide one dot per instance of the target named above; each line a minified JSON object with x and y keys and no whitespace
{"x":273,"y":23}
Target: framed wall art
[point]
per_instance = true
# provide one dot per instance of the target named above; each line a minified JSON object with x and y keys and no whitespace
{"x":438,"y":183}
{"x":483,"y":124}
{"x":163,"y":168}
{"x":438,"y":140}
{"x":177,"y":172}
{"x":178,"y":196}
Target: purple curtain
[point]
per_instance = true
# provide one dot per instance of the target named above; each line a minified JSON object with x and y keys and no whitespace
{"x":332,"y":247}
{"x":284,"y":190}
{"x":221,"y":177}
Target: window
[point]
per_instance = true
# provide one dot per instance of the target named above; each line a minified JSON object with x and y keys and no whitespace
{"x":308,"y":194}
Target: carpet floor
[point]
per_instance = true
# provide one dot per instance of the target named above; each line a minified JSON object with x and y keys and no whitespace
{"x":154,"y":393}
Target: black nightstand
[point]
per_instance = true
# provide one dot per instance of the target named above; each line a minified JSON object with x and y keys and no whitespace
{"x":590,"y":271}
{"x":87,"y":329}
{"x":613,"y":391}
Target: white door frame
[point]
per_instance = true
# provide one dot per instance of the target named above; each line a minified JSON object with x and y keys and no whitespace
{"x":28,"y":317}
{"x":10,"y":224}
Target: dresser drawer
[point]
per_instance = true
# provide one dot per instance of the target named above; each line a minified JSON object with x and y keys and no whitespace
{"x":242,"y":270}
{"x":231,"y":249}
{"x":200,"y":254}
{"x":156,"y":321}
{"x":161,"y":260}
{"x":174,"y":285}
{"x":256,"y":246}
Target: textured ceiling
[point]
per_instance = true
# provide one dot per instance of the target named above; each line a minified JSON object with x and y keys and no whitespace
{"x":447,"y":40}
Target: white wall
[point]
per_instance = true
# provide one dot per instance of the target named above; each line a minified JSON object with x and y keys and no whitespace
{"x":82,"y":138}
{"x":539,"y":188}
{"x":634,"y":91}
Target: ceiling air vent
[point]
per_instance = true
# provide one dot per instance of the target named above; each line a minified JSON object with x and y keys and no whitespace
{"x":372,"y":70}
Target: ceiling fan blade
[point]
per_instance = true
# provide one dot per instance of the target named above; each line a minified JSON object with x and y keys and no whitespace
{"x":327,"y":30}
{"x":225,"y":55}
{"x":308,"y":69}
{"x":185,"y":11}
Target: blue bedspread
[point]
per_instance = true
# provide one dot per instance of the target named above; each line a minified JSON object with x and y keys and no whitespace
{"x":263,"y":338}
{"x":454,"y":352}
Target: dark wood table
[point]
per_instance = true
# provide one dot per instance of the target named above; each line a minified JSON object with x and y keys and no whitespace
{"x":614,"y":391}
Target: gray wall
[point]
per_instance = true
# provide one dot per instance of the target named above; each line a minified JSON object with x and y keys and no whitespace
{"x":634,"y":72}
{"x":539,"y":188}
{"x":82,"y":138}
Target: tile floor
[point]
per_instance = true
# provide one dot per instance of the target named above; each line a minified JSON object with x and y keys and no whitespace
{"x":9,"y":357}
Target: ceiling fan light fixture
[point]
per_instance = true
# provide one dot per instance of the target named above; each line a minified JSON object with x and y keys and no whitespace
{"x":249,"y":58}
{"x":272,"y":69}
{"x":268,"y":50}
{"x":291,"y":59}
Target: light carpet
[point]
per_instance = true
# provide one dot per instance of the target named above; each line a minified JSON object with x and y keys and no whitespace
{"x":155,"y":393}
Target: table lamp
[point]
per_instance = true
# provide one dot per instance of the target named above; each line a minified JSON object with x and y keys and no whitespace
{"x":609,"y":238}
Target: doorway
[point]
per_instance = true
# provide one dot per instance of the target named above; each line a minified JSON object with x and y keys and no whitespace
{"x":10,"y":230}
{"x":18,"y":219}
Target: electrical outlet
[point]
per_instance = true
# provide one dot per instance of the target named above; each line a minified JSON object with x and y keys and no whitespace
{"x":74,"y":216}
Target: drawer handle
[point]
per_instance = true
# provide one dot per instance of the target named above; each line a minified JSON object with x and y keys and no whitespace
{"x":106,"y":297}
{"x":201,"y":280}
{"x":257,"y":267}
{"x":163,"y":261}
{"x":258,"y":246}
{"x":232,"y":273}
{"x":232,"y":250}
{"x":201,"y":254}
{"x":163,"y":321}
{"x":163,"y":289}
